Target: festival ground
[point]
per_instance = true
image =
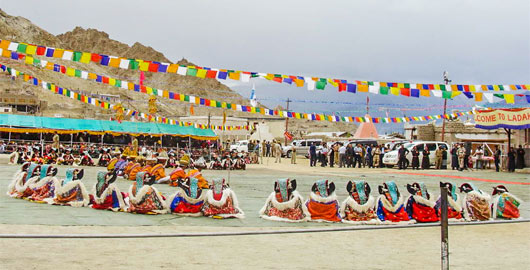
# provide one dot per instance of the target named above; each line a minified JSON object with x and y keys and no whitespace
{"x":472,"y":247}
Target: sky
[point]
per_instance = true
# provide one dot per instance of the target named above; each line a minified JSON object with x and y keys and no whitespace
{"x":477,"y":41}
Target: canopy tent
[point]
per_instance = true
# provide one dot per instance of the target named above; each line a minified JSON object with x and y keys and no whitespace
{"x":36,"y":124}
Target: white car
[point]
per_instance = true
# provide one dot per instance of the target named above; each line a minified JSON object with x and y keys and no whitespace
{"x":391,"y":158}
{"x":240,"y":146}
{"x":302,"y":147}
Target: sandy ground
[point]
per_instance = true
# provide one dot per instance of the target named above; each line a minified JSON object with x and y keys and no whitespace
{"x":472,"y":247}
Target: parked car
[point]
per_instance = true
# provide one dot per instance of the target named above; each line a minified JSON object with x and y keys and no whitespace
{"x":240,"y":146}
{"x":390,"y":159}
{"x":302,"y":147}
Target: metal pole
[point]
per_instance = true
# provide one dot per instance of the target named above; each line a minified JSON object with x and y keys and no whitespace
{"x":71,"y":140}
{"x":287,"y":121}
{"x":9,"y":139}
{"x":444,"y":227}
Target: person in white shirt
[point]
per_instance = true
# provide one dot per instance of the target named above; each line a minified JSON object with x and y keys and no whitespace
{"x":479,"y":154}
{"x":342,"y":155}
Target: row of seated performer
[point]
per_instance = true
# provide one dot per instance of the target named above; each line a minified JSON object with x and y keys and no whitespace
{"x":390,"y":207}
{"x":38,"y":183}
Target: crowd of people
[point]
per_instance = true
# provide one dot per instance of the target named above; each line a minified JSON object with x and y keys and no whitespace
{"x":347,"y":155}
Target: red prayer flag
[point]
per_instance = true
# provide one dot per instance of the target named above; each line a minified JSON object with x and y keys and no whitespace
{"x":153,"y":67}
{"x":211,"y":74}
{"x":342,"y":87}
{"x":95,"y":58}
{"x":405,"y":92}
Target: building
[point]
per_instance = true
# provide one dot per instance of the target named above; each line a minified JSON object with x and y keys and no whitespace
{"x":455,"y":131}
{"x":21,"y":103}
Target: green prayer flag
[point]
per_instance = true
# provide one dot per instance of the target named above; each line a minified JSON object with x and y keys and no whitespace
{"x":442,"y":87}
{"x":133,"y":64}
{"x":117,"y":83}
{"x":186,"y":97}
{"x":191,"y":72}
{"x":446,"y":94}
{"x":22,"y":48}
{"x":77,"y":56}
{"x":78,"y":73}
{"x":501,"y":87}
{"x":499,"y":95}
{"x":321,"y":85}
{"x":383,"y":90}
{"x":370,"y":83}
{"x":407,"y":85}
{"x":155,"y":92}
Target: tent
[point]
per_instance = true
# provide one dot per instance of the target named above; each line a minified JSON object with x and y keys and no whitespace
{"x":36,"y":124}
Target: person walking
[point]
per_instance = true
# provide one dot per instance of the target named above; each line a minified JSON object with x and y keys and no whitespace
{"x":312,"y":155}
{"x":415,"y":158}
{"x":511,"y":160}
{"x":497,"y":158}
{"x":425,"y":160}
{"x":402,"y":157}
{"x":293,"y":155}
{"x":520,"y":157}
{"x":438,"y":158}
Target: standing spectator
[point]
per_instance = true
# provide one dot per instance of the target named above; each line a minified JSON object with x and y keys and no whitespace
{"x":332,"y":155}
{"x":268,"y":148}
{"x":349,"y":155}
{"x":369,"y":157}
{"x":468,"y":154}
{"x":402,"y":157}
{"x":511,"y":160}
{"x":415,"y":158}
{"x":336,"y":147}
{"x":324,"y":155}
{"x":479,"y":154}
{"x":376,"y":155}
{"x":520,"y":157}
{"x":497,"y":158}
{"x":454,"y":157}
{"x":357,"y":153}
{"x":438,"y":155}
{"x":277,"y":149}
{"x":461,"y":152}
{"x":382,"y":155}
{"x":55,"y":143}
{"x":342,"y":155}
{"x":425,"y":161}
{"x":312,"y":155}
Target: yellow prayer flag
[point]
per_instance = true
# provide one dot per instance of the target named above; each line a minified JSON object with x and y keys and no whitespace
{"x":70,"y":72}
{"x":472,"y":88}
{"x":165,"y":93}
{"x":496,"y":88}
{"x":149,"y":90}
{"x":425,"y":93}
{"x":332,"y":82}
{"x":112,"y":81}
{"x":395,"y":91}
{"x":144,"y":66}
{"x":401,"y":85}
{"x":455,"y":93}
{"x":201,"y":73}
{"x":29,"y":60}
{"x":85,"y":57}
{"x":510,"y":99}
{"x":31,"y":49}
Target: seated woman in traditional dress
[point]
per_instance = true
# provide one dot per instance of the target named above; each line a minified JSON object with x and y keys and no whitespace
{"x":144,"y":198}
{"x":391,"y":205}
{"x":505,"y":205}
{"x":66,"y":159}
{"x":106,"y":195}
{"x":221,"y":201}
{"x":131,"y":160}
{"x":285,"y":203}
{"x":45,"y":187}
{"x":136,"y":168}
{"x":322,"y":203}
{"x":419,"y":206}
{"x":104,"y":158}
{"x":454,"y":203}
{"x":86,"y":159}
{"x":239,"y":163}
{"x":159,"y":171}
{"x":476,"y":203}
{"x":196,"y":173}
{"x":178,"y":174}
{"x":188,"y":200}
{"x":23,"y":178}
{"x":71,"y":190}
{"x":359,"y":207}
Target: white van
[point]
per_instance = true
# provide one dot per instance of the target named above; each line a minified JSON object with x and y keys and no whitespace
{"x":240,"y":146}
{"x":302,"y":147}
{"x":391,"y":158}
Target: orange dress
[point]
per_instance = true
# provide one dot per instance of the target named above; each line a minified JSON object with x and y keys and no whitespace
{"x":158,"y":171}
{"x":135,"y":169}
{"x":175,"y":175}
{"x":198,"y":175}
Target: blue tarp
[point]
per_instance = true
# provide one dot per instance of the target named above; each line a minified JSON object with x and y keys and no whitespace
{"x":26,"y":121}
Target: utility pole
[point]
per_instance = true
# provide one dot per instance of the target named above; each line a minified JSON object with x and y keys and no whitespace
{"x":287,"y":121}
{"x":446,"y":81}
{"x":444,"y":227}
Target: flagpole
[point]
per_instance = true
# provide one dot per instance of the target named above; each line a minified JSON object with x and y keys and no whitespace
{"x":447,"y":81}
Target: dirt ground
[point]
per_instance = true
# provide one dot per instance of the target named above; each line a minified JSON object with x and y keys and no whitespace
{"x":471,"y":247}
